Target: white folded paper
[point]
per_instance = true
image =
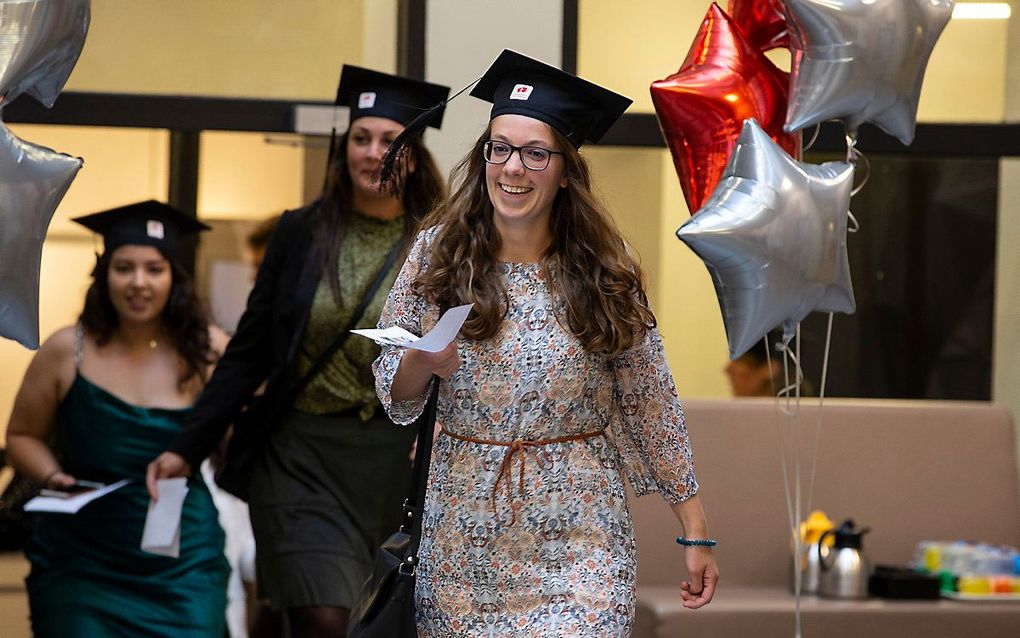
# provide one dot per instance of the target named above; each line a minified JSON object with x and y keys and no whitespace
{"x":162,"y":532}
{"x":438,"y":338}
{"x":71,"y":504}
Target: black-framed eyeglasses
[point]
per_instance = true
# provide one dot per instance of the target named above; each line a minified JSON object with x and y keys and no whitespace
{"x":534,"y":158}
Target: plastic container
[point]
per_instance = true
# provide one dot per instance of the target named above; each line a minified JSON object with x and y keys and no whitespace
{"x":973,"y":584}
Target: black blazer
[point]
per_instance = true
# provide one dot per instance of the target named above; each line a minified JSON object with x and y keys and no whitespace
{"x":265,"y":344}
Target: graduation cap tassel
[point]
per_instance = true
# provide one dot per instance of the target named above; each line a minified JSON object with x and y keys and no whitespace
{"x":389,"y":179}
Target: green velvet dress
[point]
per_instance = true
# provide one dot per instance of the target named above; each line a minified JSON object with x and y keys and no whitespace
{"x":89,"y":577}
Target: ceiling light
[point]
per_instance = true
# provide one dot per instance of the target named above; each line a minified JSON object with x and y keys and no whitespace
{"x":981,"y":11}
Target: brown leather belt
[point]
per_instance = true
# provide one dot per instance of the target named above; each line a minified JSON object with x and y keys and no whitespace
{"x":520,"y":448}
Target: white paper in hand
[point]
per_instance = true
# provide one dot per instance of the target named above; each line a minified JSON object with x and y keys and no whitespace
{"x":71,"y":504}
{"x":162,"y":532}
{"x":438,"y":338}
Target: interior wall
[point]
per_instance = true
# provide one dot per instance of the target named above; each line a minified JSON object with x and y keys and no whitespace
{"x":462,"y":38}
{"x":249,"y":175}
{"x":254,"y":48}
{"x":966,"y":76}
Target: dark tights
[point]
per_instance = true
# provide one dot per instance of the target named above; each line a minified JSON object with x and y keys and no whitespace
{"x":317,"y":622}
{"x":268,"y":623}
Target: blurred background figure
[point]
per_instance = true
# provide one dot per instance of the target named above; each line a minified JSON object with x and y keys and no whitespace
{"x":756,"y":373}
{"x":98,"y":401}
{"x":761,"y":373}
{"x":258,"y":239}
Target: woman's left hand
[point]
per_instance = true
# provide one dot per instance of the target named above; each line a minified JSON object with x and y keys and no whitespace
{"x":703,"y":574}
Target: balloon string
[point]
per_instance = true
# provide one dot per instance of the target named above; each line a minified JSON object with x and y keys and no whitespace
{"x":814,"y":138}
{"x":818,"y":422}
{"x":780,"y":442}
{"x":798,"y":512}
{"x":786,"y":439}
{"x":854,"y":225}
{"x":791,"y":388}
{"x":861,"y":157}
{"x":790,"y":394}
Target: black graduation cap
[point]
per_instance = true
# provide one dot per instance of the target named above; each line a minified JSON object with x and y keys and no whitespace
{"x":148,"y":223}
{"x":577,"y":108}
{"x":368,"y":92}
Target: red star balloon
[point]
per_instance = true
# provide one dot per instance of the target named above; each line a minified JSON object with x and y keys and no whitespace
{"x":762,"y":22}
{"x":702,"y":107}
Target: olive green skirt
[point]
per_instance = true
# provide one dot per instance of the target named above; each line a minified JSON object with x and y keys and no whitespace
{"x":325,"y":493}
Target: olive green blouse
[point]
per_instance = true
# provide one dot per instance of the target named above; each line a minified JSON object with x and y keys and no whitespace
{"x":346,"y":381}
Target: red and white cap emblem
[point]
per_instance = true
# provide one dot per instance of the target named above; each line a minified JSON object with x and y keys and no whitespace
{"x":366,"y":100}
{"x":521,"y":92}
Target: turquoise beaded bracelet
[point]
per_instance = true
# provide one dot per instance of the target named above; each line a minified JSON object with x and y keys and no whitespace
{"x":699,"y":542}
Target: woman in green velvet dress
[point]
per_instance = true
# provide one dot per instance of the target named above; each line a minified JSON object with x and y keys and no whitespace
{"x":98,"y":401}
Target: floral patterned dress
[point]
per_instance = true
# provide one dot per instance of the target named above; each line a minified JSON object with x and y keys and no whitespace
{"x":536,"y":540}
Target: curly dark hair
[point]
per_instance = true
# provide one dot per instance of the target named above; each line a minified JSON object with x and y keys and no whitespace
{"x":421,"y":189}
{"x":587,"y":263}
{"x":183,"y":318}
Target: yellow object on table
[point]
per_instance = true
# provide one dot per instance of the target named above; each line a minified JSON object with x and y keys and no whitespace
{"x":814,"y":526}
{"x":974,"y":585}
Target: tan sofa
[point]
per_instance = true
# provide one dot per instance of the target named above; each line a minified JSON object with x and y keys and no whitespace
{"x":910,"y":470}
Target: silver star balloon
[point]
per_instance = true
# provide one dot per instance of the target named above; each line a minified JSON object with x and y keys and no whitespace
{"x":773,"y":236}
{"x":861,"y":61}
{"x":33,"y":180}
{"x":40,"y":41}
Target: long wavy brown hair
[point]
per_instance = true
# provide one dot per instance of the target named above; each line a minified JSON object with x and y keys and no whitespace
{"x":587,"y":263}
{"x":183,"y":318}
{"x":421,"y":189}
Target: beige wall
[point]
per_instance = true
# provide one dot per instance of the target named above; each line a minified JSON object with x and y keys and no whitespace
{"x":966,"y":76}
{"x":463,"y":37}
{"x":249,"y":175}
{"x":237,"y":48}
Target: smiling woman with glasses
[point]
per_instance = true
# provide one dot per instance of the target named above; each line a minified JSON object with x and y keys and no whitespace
{"x":556,"y":387}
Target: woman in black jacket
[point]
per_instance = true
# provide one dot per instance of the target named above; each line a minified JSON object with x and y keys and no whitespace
{"x":328,"y":471}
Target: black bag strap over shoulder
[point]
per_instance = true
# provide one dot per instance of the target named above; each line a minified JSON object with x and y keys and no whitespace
{"x":415,"y":503}
{"x":352,"y":323}
{"x":386,"y":607}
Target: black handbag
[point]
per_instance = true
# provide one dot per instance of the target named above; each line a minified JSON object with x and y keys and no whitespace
{"x":254,"y":426}
{"x":385,"y":608}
